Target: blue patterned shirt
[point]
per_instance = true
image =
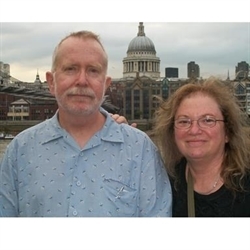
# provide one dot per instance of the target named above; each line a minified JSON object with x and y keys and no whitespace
{"x":118,"y":173}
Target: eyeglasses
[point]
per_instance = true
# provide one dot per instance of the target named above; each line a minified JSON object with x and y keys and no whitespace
{"x":203,"y":122}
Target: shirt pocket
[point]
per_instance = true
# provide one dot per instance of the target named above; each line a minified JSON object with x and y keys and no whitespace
{"x":122,"y":197}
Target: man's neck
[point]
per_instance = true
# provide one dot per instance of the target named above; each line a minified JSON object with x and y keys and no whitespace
{"x":82,"y":128}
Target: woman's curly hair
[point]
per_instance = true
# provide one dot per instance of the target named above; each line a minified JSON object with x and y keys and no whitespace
{"x":236,"y":162}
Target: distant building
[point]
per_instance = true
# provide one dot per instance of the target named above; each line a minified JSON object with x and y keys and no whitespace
{"x":138,"y":102}
{"x":5,"y":77}
{"x":141,"y":80}
{"x":19,"y":107}
{"x":241,"y":70}
{"x":171,"y":72}
{"x":193,"y":70}
{"x":4,"y":69}
{"x":241,"y":86}
{"x":4,"y":73}
{"x":37,"y":80}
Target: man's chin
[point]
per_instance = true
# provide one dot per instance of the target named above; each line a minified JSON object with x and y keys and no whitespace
{"x":82,"y":111}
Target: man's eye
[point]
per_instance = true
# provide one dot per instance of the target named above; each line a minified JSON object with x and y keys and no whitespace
{"x":94,"y":72}
{"x":70,"y":69}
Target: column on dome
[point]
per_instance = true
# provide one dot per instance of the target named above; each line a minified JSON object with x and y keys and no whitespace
{"x":136,"y":66}
{"x":149,"y":66}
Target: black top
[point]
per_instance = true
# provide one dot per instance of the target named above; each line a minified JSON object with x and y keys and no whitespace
{"x":221,"y":203}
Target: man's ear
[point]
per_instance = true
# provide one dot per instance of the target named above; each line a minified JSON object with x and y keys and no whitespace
{"x":107,"y":82}
{"x":50,"y":81}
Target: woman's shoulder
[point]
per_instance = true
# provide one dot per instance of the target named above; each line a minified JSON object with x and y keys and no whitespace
{"x":246,"y":182}
{"x":181,"y":167}
{"x":179,"y":178}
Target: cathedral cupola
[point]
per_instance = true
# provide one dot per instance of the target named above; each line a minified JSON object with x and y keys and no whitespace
{"x":141,"y":57}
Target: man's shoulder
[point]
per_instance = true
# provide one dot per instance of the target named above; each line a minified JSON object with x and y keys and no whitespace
{"x":136,"y":136}
{"x":41,"y":129}
{"x":38,"y":126}
{"x":128,"y":131}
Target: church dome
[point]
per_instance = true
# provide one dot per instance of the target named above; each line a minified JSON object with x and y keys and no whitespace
{"x":141,"y":42}
{"x":141,"y":57}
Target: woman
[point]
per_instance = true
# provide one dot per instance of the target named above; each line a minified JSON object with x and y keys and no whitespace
{"x":204,"y":141}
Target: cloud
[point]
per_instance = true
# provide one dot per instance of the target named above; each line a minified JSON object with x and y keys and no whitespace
{"x":216,"y":46}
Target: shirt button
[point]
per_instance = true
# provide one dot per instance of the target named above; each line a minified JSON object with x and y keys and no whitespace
{"x":81,"y":154}
{"x":78,"y":183}
{"x":75,"y":213}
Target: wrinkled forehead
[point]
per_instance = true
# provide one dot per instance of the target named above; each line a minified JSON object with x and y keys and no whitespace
{"x":75,"y":45}
{"x":82,"y":44}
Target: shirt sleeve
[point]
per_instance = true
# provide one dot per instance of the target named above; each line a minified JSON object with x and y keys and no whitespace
{"x":155,"y":188}
{"x":8,"y":184}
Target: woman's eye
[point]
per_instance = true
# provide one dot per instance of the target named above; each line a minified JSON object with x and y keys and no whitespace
{"x":208,"y":120}
{"x":184,"y":121}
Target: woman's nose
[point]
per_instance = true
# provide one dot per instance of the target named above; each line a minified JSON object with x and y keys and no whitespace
{"x":194,"y":127}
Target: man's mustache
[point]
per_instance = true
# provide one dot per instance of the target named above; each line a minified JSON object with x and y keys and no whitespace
{"x":81,"y":91}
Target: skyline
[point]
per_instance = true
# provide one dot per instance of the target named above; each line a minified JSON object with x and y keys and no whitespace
{"x":214,"y":46}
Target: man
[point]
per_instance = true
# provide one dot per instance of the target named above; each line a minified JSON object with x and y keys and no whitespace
{"x":81,"y":162}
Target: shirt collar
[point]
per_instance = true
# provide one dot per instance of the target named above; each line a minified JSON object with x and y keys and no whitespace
{"x":111,"y":131}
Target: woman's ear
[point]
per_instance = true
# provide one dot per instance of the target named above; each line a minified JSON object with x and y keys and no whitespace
{"x":226,"y":139}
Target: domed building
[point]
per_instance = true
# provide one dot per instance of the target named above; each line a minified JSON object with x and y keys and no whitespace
{"x":141,"y":57}
{"x":141,"y":82}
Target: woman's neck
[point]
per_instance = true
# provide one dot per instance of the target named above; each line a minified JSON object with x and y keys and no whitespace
{"x":206,"y":178}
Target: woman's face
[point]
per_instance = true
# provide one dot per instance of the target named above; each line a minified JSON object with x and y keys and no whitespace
{"x":197,"y":143}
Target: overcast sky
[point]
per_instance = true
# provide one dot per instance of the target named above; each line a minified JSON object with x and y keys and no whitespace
{"x":216,"y":47}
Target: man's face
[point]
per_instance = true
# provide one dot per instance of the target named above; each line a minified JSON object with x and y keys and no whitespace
{"x":79,"y":81}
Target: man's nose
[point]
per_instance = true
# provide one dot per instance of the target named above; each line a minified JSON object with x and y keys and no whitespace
{"x":82,"y":77}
